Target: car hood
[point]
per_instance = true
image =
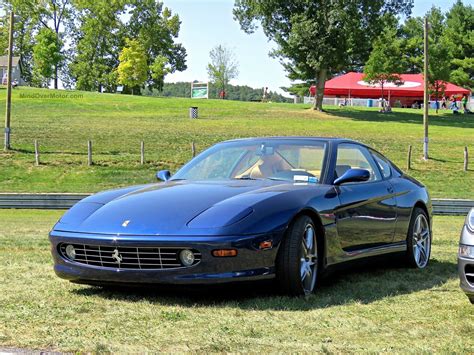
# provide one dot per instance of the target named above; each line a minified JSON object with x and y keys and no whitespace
{"x":171,"y":208}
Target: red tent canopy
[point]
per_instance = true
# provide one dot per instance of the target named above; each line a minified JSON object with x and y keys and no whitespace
{"x":353,"y":85}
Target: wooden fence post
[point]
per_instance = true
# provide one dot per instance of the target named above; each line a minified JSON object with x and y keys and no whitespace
{"x":409,"y":158}
{"x":466,"y":159}
{"x":142,"y":152}
{"x":89,"y":153}
{"x":193,"y":149}
{"x":37,"y":157}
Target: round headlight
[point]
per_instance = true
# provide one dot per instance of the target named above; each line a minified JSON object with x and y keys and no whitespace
{"x":470,"y":220}
{"x":187,"y":257}
{"x":71,"y":252}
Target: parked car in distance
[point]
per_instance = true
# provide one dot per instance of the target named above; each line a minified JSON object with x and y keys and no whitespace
{"x":284,"y":208}
{"x":466,"y":256}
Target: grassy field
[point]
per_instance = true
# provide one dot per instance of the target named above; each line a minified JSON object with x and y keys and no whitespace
{"x":378,"y":308}
{"x":116,"y":124}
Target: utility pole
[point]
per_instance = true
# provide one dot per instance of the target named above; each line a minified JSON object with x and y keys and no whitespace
{"x":426,"y":100}
{"x":9,"y":85}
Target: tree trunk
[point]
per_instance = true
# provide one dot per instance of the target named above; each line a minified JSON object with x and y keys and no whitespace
{"x":56,"y":77}
{"x":318,"y":102}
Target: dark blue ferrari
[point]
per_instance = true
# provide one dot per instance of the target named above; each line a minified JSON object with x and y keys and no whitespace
{"x":249,"y":209}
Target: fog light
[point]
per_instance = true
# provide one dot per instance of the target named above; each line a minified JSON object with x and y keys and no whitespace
{"x":466,"y":251}
{"x":71,"y":252}
{"x":187,"y":257}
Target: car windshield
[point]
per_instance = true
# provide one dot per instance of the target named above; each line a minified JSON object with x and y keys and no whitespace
{"x":275,"y":159}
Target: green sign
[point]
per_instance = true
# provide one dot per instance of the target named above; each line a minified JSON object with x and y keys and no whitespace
{"x":199,"y":93}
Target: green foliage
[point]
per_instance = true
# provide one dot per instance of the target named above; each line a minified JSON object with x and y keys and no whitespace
{"x":319,"y":38}
{"x":299,"y":89}
{"x":223,"y":67}
{"x":159,"y":69}
{"x":46,"y":56}
{"x":98,"y":42}
{"x":384,"y":64}
{"x":460,"y":34}
{"x":451,"y":46}
{"x":156,"y":28}
{"x":132,"y":70}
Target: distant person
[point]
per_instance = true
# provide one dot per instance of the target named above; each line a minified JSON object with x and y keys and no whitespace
{"x":464,"y":103}
{"x":453,"y":106}
{"x":444,"y":105}
{"x":312,"y":91}
{"x":222,"y":94}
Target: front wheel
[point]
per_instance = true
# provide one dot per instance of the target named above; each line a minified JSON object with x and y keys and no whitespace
{"x":419,"y":240}
{"x":297,"y":263}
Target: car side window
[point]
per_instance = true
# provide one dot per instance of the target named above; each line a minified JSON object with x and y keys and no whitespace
{"x":383,"y":164}
{"x":353,"y":156}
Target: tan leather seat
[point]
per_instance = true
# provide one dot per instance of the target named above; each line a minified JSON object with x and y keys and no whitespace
{"x":266,"y":166}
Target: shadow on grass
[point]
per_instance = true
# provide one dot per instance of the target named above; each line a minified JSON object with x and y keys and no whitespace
{"x":445,"y":120}
{"x":362,"y":283}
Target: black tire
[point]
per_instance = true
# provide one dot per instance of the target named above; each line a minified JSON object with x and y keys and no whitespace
{"x":471,"y":299}
{"x":418,"y":240}
{"x":293,"y":259}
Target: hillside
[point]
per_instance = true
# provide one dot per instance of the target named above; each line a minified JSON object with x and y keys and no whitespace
{"x":117,"y":123}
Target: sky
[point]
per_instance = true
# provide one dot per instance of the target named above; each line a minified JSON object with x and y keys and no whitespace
{"x":207,"y":23}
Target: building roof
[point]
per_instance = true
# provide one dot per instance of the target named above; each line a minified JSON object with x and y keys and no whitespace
{"x":4,"y":61}
{"x":352,"y":84}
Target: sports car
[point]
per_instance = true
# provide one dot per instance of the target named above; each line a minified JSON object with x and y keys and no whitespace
{"x":283,"y":208}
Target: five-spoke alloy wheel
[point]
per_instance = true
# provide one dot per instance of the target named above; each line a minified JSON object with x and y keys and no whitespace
{"x":297,"y":264}
{"x":419,"y":240}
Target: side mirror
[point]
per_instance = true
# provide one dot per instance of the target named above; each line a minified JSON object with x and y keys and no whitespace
{"x":163,"y":175}
{"x":353,"y":175}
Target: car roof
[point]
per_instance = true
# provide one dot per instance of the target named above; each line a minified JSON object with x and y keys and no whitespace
{"x":295,"y":138}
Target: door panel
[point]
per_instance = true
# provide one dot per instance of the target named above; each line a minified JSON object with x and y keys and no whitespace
{"x":368,"y":215}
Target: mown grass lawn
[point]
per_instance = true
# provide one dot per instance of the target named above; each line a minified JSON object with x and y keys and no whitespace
{"x":116,"y":124}
{"x":379,"y":308}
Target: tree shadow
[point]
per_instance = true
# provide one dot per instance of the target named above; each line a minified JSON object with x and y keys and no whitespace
{"x":364,"y":282}
{"x":444,"y":120}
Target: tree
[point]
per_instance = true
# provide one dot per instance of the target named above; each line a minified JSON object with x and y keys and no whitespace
{"x":46,"y":57}
{"x":158,"y":70}
{"x":222,"y":68}
{"x":26,"y":26}
{"x":384,"y":64}
{"x":132,"y":70}
{"x":317,"y":39}
{"x":156,"y":28}
{"x":37,"y":14}
{"x":460,"y":36}
{"x":98,"y":39}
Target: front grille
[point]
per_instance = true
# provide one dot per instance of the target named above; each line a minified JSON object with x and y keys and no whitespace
{"x":469,"y":270}
{"x":120,"y":257}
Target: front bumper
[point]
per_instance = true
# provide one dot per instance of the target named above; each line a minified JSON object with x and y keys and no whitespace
{"x":251,"y":263}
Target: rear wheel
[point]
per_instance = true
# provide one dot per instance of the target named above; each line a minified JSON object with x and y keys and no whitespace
{"x":419,"y":240}
{"x":297,"y":263}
